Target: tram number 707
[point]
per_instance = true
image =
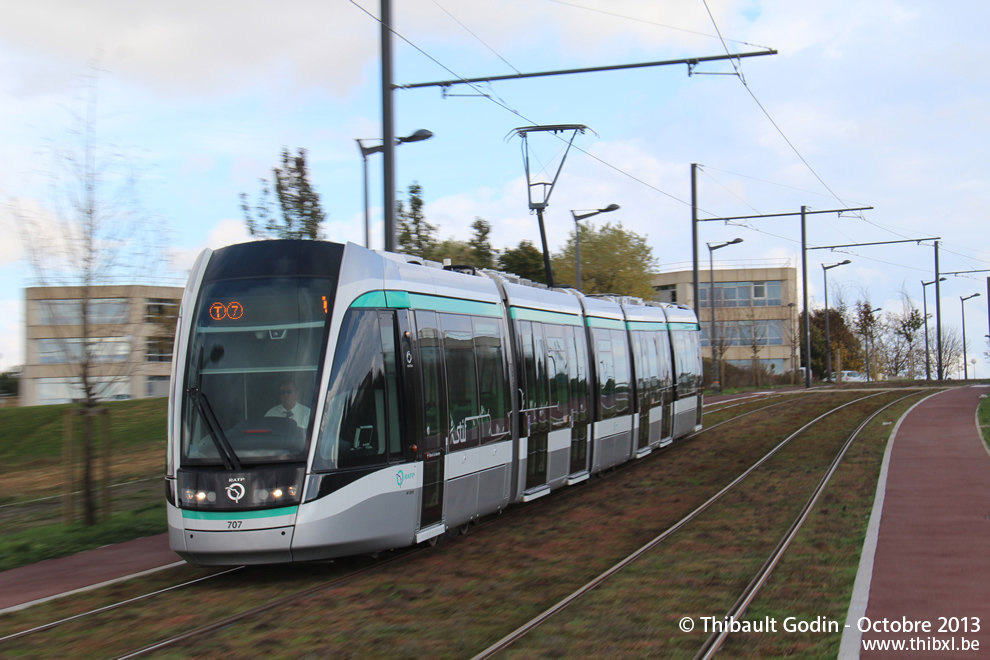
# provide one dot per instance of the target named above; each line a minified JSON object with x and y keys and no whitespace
{"x":234,"y":524}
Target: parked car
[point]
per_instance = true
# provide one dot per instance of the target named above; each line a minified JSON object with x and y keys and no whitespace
{"x":850,"y":377}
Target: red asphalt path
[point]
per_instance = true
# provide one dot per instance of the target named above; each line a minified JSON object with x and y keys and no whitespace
{"x":932,"y":552}
{"x":53,"y":577}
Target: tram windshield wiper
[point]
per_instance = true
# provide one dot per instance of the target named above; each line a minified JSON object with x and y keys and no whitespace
{"x":226,"y":452}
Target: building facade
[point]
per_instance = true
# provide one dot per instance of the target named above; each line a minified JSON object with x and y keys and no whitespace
{"x":756,"y":313}
{"x":127,"y":342}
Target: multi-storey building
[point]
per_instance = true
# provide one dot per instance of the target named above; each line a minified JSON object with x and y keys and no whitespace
{"x":756,"y":312}
{"x":127,"y":342}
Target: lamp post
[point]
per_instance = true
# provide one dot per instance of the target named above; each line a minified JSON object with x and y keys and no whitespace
{"x":962,"y":302}
{"x":869,"y":335}
{"x":716,"y":371}
{"x":577,"y":238}
{"x":924,"y":297}
{"x":828,"y":334}
{"x":421,"y":134}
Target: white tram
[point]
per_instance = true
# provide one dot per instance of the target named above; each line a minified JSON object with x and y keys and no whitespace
{"x":329,"y":400}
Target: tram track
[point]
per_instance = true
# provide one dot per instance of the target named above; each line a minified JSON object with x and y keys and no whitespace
{"x":273,"y":601}
{"x":714,"y":642}
{"x":141,"y":597}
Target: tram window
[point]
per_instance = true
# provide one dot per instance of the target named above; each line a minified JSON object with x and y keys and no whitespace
{"x":577,"y":359}
{"x":623,"y":375}
{"x":557,"y":374}
{"x":663,"y":343}
{"x":387,"y":321}
{"x":269,"y":334}
{"x":462,"y":381}
{"x":686,"y":359}
{"x":492,"y":383}
{"x":356,"y":415}
{"x":606,"y":373}
{"x":531,"y":398}
{"x":434,"y":398}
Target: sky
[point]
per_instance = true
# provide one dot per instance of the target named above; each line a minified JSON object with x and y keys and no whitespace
{"x":883,"y":104}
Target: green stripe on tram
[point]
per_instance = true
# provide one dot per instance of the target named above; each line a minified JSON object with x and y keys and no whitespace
{"x":646,"y":325}
{"x":240,"y":515}
{"x":597,"y":322}
{"x":407,"y":300}
{"x":524,"y":314}
{"x":684,"y":326}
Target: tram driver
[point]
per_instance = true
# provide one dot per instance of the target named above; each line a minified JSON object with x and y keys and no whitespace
{"x":289,"y":406}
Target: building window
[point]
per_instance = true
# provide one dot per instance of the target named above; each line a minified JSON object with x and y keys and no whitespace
{"x":69,"y":312}
{"x":156,"y":386}
{"x":161,"y":310}
{"x":160,"y":349}
{"x":72,"y":350}
{"x":67,"y":390}
{"x":742,"y":294}
{"x":666,"y":293}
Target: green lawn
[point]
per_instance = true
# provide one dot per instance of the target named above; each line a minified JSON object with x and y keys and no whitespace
{"x":32,"y":436}
{"x":31,"y":439}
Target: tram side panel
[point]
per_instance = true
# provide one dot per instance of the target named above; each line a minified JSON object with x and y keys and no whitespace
{"x":686,"y":349}
{"x":613,"y":420}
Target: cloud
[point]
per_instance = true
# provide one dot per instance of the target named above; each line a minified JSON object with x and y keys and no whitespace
{"x":11,"y":333}
{"x":225,"y":232}
{"x":187,"y":46}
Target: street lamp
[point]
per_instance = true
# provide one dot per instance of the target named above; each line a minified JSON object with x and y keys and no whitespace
{"x":421,"y":134}
{"x":963,"y":304}
{"x":577,"y":238}
{"x":924,"y":297}
{"x":716,"y":371}
{"x":828,"y":335}
{"x":868,"y":334}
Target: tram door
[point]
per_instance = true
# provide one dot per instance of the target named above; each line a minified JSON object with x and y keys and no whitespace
{"x":434,"y":422}
{"x":577,"y":363}
{"x":645,"y":367}
{"x":535,"y":416}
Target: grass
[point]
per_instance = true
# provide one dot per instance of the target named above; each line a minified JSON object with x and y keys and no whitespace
{"x":31,"y":440}
{"x":983,"y":418}
{"x":18,"y":548}
{"x":32,"y":436}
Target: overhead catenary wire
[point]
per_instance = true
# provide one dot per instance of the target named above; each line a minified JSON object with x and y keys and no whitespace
{"x":473,"y":34}
{"x":506,"y":107}
{"x":779,"y":130}
{"x":619,"y":170}
{"x":654,"y":23}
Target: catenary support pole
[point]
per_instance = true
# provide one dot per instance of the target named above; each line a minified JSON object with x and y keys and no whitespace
{"x":388,"y":127}
{"x":804,"y":286}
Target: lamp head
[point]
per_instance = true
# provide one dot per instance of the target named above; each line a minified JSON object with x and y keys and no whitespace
{"x":421,"y":134}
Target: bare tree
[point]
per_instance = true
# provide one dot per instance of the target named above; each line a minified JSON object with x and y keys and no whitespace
{"x":951,"y":350}
{"x":88,"y":233}
{"x":755,"y":331}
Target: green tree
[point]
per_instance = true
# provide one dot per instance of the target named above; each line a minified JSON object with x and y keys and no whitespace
{"x":844,"y":342}
{"x":9,"y":381}
{"x":416,"y":236}
{"x":525,"y":261}
{"x":459,"y":252}
{"x":299,"y":203}
{"x":613,"y":260}
{"x":482,"y":253}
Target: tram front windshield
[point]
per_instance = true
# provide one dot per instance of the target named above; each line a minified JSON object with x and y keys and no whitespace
{"x":252,"y":370}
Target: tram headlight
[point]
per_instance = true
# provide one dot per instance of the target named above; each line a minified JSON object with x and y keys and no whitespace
{"x":201,"y":495}
{"x":277,"y":493}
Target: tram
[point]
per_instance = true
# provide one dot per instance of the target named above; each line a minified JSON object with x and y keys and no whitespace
{"x":330,"y":400}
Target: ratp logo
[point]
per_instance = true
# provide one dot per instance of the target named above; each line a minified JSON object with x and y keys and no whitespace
{"x":401,"y":476}
{"x":235,"y":491}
